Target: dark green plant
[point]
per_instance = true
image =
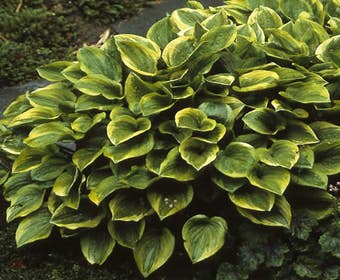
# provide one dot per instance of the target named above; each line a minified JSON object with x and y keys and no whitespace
{"x":146,"y":138}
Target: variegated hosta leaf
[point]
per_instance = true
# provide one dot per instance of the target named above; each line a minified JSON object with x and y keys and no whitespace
{"x":194,"y":119}
{"x":257,"y":80}
{"x":138,"y":177}
{"x":328,"y":51}
{"x":310,"y":178}
{"x":139,"y":54}
{"x":49,"y":133}
{"x":153,"y":250}
{"x":35,"y":226}
{"x":169,"y":198}
{"x":161,"y":32}
{"x":14,"y":183}
{"x":65,"y":181}
{"x":265,"y":17}
{"x":306,"y":158}
{"x":27,"y":160}
{"x":186,"y":18}
{"x":180,"y":134}
{"x":219,"y":111}
{"x":227,"y":183}
{"x":327,"y":158}
{"x":279,"y":216}
{"x":326,"y":132}
{"x":299,"y":133}
{"x":49,"y":169}
{"x":173,"y":166}
{"x":214,"y":20}
{"x":236,"y":160}
{"x":282,"y":153}
{"x":252,"y":198}
{"x":154,"y":103}
{"x":95,"y":84}
{"x":86,"y":216}
{"x":203,"y":236}
{"x":198,"y":153}
{"x":82,"y":158}
{"x":281,"y":106}
{"x":85,"y":122}
{"x":178,"y":51}
{"x":264,"y":121}
{"x":73,"y":72}
{"x":52,"y":72}
{"x":127,"y":234}
{"x":129,"y":206}
{"x":125,"y":127}
{"x":27,"y":200}
{"x":133,"y":148}
{"x":104,"y":188}
{"x":271,"y":178}
{"x":306,"y":93}
{"x":97,"y":245}
{"x":96,"y":61}
{"x":88,"y":103}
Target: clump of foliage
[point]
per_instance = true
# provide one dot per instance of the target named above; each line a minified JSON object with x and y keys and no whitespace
{"x":310,"y":251}
{"x":146,"y":139}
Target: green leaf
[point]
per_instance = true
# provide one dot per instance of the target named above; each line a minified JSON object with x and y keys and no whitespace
{"x":271,"y":178}
{"x":306,"y":93}
{"x":253,"y":199}
{"x":86,"y":216}
{"x":173,"y":166}
{"x":203,"y":236}
{"x":139,"y":146}
{"x":153,"y":250}
{"x":329,"y":50}
{"x":97,"y":245}
{"x":264,"y":121}
{"x":96,"y":61}
{"x":168,"y":198}
{"x":198,"y":153}
{"x":49,"y":169}
{"x":34,"y":115}
{"x":125,"y":127}
{"x":35,"y":226}
{"x":227,"y":183}
{"x":327,"y":158}
{"x":299,"y":133}
{"x":14,"y":183}
{"x":282,"y":153}
{"x":95,"y":84}
{"x":219,"y":111}
{"x":310,"y":178}
{"x":87,"y":103}
{"x":138,"y":177}
{"x":265,"y":17}
{"x":127,"y":234}
{"x":52,"y":72}
{"x":236,"y":160}
{"x":27,"y":160}
{"x":194,"y":119}
{"x":161,"y":32}
{"x":129,"y":206}
{"x":306,"y":159}
{"x":154,"y":103}
{"x":180,"y":134}
{"x":257,"y":80}
{"x":27,"y":200}
{"x":83,"y":157}
{"x":178,"y":51}
{"x":281,"y":106}
{"x":139,"y":54}
{"x":104,"y":188}
{"x":185,"y":18}
{"x":73,"y":72}
{"x":65,"y":181}
{"x":49,"y":133}
{"x":279,"y":216}
{"x":85,"y":122}
{"x":326,"y":132}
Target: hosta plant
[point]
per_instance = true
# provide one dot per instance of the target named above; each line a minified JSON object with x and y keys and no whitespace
{"x":149,"y":142}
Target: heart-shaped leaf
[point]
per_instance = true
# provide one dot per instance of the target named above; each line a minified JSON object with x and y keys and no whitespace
{"x":35,"y":226}
{"x":97,"y":245}
{"x":169,"y":198}
{"x":85,"y":122}
{"x":299,"y":133}
{"x":185,"y":18}
{"x":253,"y":199}
{"x":279,"y":216}
{"x":180,"y":134}
{"x":264,"y":121}
{"x":139,"y":54}
{"x":129,"y":206}
{"x":326,"y":132}
{"x":219,"y":111}
{"x":154,"y":103}
{"x":328,"y":51}
{"x":52,"y":72}
{"x":265,"y":17}
{"x":194,"y":119}
{"x":198,"y":153}
{"x":178,"y":51}
{"x":82,"y":158}
{"x":271,"y":178}
{"x":94,"y":85}
{"x":282,"y":153}
{"x":310,"y":178}
{"x":153,"y":250}
{"x":203,"y":236}
{"x":236,"y":160}
{"x":327,"y":158}
{"x":161,"y":32}
{"x":127,"y":234}
{"x":213,"y":136}
{"x":125,"y":127}
{"x":257,"y":80}
{"x":227,"y":183}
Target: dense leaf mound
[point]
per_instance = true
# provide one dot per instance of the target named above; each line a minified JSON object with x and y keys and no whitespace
{"x":233,"y":107}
